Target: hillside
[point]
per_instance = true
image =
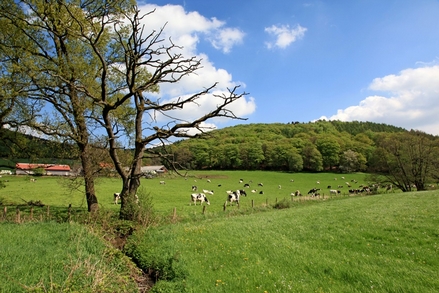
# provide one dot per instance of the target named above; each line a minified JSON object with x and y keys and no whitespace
{"x":313,"y":146}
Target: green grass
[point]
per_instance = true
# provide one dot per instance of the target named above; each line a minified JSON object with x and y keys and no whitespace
{"x":382,"y":243}
{"x":52,"y":257}
{"x":53,"y":191}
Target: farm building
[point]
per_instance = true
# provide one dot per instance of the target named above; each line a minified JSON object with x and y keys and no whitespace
{"x":49,"y":169}
{"x":152,"y":169}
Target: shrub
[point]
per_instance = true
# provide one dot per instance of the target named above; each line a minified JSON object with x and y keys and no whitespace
{"x":283,"y":204}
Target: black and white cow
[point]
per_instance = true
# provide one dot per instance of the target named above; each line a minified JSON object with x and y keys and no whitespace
{"x":116,"y":196}
{"x":201,"y":197}
{"x":334,"y":191}
{"x":233,"y":196}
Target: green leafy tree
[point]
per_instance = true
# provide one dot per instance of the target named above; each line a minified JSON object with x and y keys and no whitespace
{"x":351,"y":161}
{"x":329,"y":148}
{"x":56,"y":69}
{"x":312,"y":158}
{"x":406,"y":159}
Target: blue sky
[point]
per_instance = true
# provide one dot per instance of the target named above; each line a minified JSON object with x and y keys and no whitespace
{"x":371,"y":60}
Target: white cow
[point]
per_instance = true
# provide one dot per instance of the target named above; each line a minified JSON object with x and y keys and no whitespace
{"x":116,"y":196}
{"x":334,"y":191}
{"x":201,"y":197}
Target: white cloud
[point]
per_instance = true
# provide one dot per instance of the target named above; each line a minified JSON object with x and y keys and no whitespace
{"x":410,"y":99}
{"x":284,"y":35}
{"x":187,"y":29}
{"x":227,"y":38}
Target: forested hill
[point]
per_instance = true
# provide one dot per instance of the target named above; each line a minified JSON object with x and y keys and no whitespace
{"x":313,"y":146}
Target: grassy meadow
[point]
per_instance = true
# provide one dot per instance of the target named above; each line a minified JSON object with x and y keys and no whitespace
{"x":381,"y":243}
{"x":56,"y":191}
{"x":387,"y":242}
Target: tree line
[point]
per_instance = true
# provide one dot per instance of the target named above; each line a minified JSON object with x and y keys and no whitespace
{"x":407,"y":159}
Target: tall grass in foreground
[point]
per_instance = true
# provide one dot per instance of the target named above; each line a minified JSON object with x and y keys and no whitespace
{"x":382,"y":243}
{"x":51,"y":257}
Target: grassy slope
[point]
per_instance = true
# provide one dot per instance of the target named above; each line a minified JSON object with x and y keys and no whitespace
{"x":382,"y":243}
{"x":51,"y":257}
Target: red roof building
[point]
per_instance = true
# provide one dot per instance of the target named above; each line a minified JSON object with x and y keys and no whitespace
{"x":49,"y":169}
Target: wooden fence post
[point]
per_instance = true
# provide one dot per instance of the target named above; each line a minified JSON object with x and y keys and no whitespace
{"x":204,"y":210}
{"x":31,"y":216}
{"x":48,"y":212}
{"x":18,"y":217}
{"x":253,"y":203}
{"x":225,"y":206}
{"x":174,"y":214}
{"x":5,"y":212}
{"x":70,"y":212}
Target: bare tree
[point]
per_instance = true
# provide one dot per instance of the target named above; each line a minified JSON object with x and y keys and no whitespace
{"x":147,"y":63}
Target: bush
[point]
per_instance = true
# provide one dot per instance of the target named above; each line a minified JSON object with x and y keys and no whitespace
{"x":283,"y":204}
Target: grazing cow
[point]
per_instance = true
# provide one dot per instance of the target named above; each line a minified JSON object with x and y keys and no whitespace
{"x":334,"y":191}
{"x":254,"y":190}
{"x":194,"y":188}
{"x":247,"y":185}
{"x":329,"y":187}
{"x":340,"y":186}
{"x":313,"y":191}
{"x":208,"y":191}
{"x":280,"y":186}
{"x":261,"y":192}
{"x":234,"y":196}
{"x":260,"y":184}
{"x":116,"y":196}
{"x":242,"y":192}
{"x":296,"y":193}
{"x":201,"y":197}
{"x":162,"y":182}
{"x":208,"y":180}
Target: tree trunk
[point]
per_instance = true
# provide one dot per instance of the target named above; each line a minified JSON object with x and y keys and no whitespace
{"x":129,"y":209}
{"x":92,"y":200}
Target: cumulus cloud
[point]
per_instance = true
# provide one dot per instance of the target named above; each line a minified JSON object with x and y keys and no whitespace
{"x":284,"y":35}
{"x":227,"y":38}
{"x":188,"y":29}
{"x":409,"y":99}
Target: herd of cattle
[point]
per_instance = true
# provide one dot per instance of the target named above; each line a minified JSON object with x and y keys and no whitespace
{"x":233,"y":196}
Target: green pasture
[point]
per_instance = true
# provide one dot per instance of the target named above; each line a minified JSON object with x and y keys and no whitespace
{"x":175,"y":193}
{"x":380,"y":243}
